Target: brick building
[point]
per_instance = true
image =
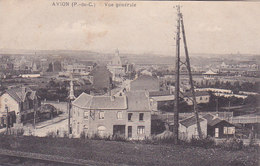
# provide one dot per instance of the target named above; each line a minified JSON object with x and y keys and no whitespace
{"x":127,"y":116}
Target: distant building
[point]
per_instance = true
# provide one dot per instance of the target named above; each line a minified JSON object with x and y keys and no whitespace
{"x":127,"y":116}
{"x":20,"y":103}
{"x":158,"y":98}
{"x":116,"y":67}
{"x":30,"y":75}
{"x":55,"y":66}
{"x":219,"y":128}
{"x":188,"y":128}
{"x":77,"y":68}
{"x":101,"y":78}
{"x":145,"y":82}
{"x":201,"y":97}
{"x":209,"y":74}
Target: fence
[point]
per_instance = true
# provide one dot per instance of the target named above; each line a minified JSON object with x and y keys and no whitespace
{"x":245,"y":119}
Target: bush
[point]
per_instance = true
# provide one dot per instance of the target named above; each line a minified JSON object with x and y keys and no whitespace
{"x":82,"y":135}
{"x":52,"y":134}
{"x":17,"y":131}
{"x":118,"y":138}
{"x":232,"y":144}
{"x":205,"y":142}
{"x":65,"y":134}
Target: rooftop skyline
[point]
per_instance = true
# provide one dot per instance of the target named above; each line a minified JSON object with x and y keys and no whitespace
{"x":211,"y":27}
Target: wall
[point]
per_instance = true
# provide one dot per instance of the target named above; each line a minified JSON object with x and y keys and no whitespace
{"x":11,"y":103}
{"x":199,"y":99}
{"x":135,"y":122}
{"x":191,"y":131}
{"x":79,"y":122}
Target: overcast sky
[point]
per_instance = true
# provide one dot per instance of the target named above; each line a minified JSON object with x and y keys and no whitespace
{"x":211,"y":27}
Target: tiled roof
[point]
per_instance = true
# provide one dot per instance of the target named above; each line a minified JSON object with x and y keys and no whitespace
{"x":159,"y":93}
{"x":212,"y":120}
{"x":190,"y":121}
{"x":84,"y":100}
{"x":100,"y":102}
{"x":164,"y":98}
{"x":209,"y":117}
{"x":106,"y":102}
{"x":138,"y":101}
{"x":19,"y":94}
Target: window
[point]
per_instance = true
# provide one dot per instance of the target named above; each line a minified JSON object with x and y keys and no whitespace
{"x":119,"y":115}
{"x":216,"y":132}
{"x":130,"y":116}
{"x":101,"y":115}
{"x":86,"y":114}
{"x":229,"y":130}
{"x":140,"y":129}
{"x":141,"y":116}
{"x":200,"y":98}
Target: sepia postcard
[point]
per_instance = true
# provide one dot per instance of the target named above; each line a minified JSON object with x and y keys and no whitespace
{"x":95,"y":83}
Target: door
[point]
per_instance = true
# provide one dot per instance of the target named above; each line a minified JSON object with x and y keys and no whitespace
{"x":129,"y":131}
{"x":119,"y":130}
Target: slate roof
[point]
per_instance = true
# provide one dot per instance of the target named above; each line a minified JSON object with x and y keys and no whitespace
{"x":19,"y":94}
{"x":138,"y":101}
{"x":190,"y":121}
{"x":100,"y":102}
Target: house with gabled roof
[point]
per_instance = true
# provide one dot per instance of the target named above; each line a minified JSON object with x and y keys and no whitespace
{"x":127,"y":116}
{"x":188,"y":128}
{"x":20,"y":103}
{"x":219,"y":128}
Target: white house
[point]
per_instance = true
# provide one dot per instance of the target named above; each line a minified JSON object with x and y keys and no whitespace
{"x":188,"y":128}
{"x":20,"y":103}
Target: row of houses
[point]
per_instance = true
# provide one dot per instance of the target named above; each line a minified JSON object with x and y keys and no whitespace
{"x":211,"y":125}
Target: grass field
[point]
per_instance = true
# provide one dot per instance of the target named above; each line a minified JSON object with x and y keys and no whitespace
{"x":130,"y":153}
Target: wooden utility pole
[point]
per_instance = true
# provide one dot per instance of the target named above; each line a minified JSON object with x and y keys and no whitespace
{"x":177,"y":81}
{"x":7,"y":121}
{"x":34,"y":112}
{"x":71,"y":98}
{"x":180,"y":24}
{"x":195,"y":106}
